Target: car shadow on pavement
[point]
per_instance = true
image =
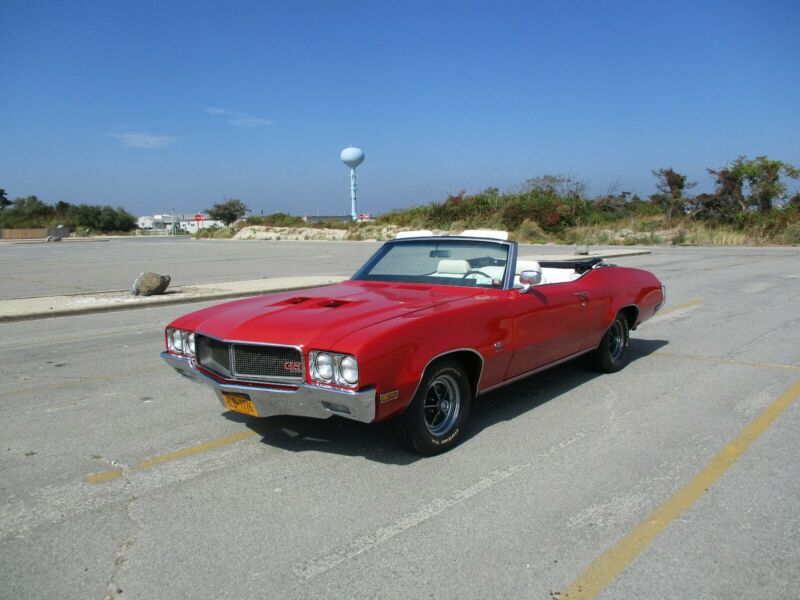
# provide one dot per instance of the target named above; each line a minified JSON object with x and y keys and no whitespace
{"x":526,"y":394}
{"x":377,"y":441}
{"x":381,"y":442}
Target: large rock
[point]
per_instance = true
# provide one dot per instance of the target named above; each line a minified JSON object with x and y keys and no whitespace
{"x":150,"y":284}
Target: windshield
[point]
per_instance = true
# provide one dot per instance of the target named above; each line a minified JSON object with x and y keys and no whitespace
{"x":442,"y":262}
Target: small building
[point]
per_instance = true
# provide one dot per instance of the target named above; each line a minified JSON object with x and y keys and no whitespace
{"x":183,"y":222}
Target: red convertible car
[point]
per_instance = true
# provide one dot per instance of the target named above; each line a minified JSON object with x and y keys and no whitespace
{"x":425,"y":326}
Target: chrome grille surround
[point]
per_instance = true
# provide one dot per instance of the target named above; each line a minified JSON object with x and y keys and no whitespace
{"x":248,"y":361}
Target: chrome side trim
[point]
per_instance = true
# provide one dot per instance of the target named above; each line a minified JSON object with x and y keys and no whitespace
{"x":304,"y":400}
{"x":534,"y":371}
{"x":438,"y":356}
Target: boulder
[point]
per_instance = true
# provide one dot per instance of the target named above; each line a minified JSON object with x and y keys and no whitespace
{"x":150,"y":284}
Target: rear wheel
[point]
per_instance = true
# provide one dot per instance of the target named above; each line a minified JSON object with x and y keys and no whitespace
{"x":612,"y":353}
{"x":434,"y":421}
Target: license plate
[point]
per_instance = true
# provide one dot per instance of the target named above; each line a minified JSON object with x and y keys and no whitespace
{"x":240,"y":403}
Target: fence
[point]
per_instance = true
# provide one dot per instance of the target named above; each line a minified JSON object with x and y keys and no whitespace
{"x":33,"y":234}
{"x":22,"y":234}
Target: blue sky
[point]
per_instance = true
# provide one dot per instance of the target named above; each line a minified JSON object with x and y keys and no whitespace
{"x":155,"y":105}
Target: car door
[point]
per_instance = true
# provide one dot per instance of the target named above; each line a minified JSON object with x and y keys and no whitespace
{"x":550,"y":322}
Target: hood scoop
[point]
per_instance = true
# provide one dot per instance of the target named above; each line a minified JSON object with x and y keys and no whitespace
{"x":332,"y":303}
{"x":289,"y":301}
{"x":313,"y":302}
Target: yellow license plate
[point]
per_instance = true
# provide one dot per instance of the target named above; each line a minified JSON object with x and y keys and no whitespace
{"x":240,"y":403}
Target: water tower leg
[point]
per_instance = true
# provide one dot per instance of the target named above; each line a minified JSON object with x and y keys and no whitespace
{"x":353,"y":186}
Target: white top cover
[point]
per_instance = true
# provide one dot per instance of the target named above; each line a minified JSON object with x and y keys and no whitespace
{"x":494,"y":234}
{"x":417,"y":233}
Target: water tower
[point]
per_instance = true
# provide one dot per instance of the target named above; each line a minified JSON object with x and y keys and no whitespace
{"x":352,"y":157}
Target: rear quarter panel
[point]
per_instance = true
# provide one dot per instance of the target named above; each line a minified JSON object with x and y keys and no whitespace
{"x":613,"y":288}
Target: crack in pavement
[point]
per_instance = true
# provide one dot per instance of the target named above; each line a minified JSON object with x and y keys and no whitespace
{"x":112,"y":586}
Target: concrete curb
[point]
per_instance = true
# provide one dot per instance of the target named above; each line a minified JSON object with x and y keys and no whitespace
{"x":26,"y":309}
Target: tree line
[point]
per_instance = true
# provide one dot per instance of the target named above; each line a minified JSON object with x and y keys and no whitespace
{"x":747,"y":193}
{"x":31,"y":213}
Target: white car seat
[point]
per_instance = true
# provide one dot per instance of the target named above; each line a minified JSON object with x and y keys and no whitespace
{"x":452,"y":266}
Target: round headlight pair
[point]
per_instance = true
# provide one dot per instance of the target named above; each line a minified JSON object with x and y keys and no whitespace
{"x":181,"y":342}
{"x":332,"y":367}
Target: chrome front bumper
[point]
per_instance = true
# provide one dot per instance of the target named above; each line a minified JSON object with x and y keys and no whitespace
{"x":304,"y":401}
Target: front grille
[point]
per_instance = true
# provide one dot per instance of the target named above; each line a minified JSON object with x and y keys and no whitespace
{"x":248,"y":361}
{"x":267,"y":362}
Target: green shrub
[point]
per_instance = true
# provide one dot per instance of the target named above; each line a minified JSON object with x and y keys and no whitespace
{"x":791,"y":235}
{"x":276,"y":220}
{"x":529,"y":231}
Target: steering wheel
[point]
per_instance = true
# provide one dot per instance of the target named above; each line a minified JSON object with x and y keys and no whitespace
{"x":468,"y":273}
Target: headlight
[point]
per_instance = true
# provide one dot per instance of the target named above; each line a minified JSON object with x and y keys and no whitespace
{"x":176,"y":340}
{"x":331,"y":367}
{"x":180,"y":341}
{"x":349,"y":369}
{"x":324,"y":366}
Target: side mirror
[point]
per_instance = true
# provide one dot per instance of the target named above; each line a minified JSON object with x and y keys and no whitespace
{"x":528,"y":279}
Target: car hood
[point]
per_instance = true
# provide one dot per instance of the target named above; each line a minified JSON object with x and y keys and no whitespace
{"x":318,"y":317}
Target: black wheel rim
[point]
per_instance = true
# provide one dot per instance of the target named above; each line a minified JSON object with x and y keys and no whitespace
{"x":616,"y":341}
{"x":442,"y":404}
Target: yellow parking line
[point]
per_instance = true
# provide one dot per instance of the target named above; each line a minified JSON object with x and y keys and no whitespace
{"x":598,"y":575}
{"x":196,"y":449}
{"x":103,"y":476}
{"x":727,"y":361}
{"x":672,"y":309}
{"x":169,"y":457}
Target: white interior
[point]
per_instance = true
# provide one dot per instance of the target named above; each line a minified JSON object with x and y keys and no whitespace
{"x":549,"y":274}
{"x":452,"y":266}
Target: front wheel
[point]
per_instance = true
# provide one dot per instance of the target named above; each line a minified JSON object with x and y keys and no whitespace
{"x":434,"y":421}
{"x":612,"y":353}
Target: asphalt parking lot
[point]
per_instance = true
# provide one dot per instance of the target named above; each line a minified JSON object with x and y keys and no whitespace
{"x":675,"y":478}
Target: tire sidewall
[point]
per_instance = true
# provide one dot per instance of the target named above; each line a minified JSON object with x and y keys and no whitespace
{"x":416,"y":432}
{"x":606,"y":362}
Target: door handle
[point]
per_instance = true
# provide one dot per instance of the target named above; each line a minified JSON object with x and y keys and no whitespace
{"x":582,"y":295}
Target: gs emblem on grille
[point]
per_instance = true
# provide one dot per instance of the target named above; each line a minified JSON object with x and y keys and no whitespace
{"x":294,"y":367}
